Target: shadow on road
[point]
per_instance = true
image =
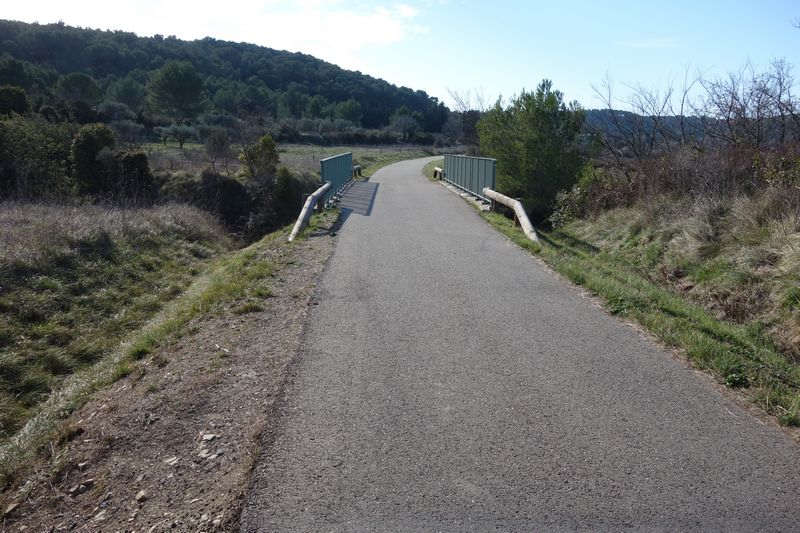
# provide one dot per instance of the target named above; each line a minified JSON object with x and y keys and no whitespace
{"x":359,"y":198}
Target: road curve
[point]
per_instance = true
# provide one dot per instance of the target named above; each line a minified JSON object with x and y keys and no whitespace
{"x":450,"y":382}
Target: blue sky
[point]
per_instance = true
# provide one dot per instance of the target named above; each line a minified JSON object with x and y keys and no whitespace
{"x":471,"y":46}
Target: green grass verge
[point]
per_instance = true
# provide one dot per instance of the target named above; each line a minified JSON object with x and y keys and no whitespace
{"x":740,"y":356}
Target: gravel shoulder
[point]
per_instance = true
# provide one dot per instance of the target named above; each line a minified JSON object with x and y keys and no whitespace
{"x":171,"y":447}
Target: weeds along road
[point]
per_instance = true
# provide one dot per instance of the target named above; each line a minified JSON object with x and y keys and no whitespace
{"x":450,"y":382}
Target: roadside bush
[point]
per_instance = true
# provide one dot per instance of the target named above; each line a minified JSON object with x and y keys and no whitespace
{"x":278,"y":205}
{"x":535,"y":143}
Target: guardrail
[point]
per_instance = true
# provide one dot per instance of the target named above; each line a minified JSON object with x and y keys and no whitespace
{"x":338,"y":171}
{"x":308,"y":208}
{"x":471,"y":174}
{"x":519,"y":211}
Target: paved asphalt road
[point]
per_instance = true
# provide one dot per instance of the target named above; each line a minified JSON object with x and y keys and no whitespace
{"x":450,"y":382}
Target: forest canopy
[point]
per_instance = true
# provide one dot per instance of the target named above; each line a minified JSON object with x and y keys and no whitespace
{"x":80,"y":67}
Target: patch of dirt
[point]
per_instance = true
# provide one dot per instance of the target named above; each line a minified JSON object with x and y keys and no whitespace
{"x":171,"y":447}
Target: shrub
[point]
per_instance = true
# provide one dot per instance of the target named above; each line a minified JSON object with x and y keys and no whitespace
{"x":135,"y":181}
{"x":34,"y":155}
{"x":91,"y":171}
{"x":226,"y":197}
{"x":260,"y":159}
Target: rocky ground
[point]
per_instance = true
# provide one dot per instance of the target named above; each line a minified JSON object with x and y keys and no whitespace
{"x":171,"y":447}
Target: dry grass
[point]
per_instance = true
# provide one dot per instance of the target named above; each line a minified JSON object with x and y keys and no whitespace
{"x":74,"y":281}
{"x":34,"y":233}
{"x":739,"y":258}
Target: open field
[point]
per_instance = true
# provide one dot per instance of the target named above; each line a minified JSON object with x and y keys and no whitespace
{"x":297,"y":157}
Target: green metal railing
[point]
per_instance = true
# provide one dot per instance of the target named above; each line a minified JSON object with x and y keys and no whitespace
{"x":338,"y":171}
{"x":470,"y":174}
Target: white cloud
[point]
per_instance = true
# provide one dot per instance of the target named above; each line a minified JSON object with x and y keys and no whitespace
{"x":333,"y":30}
{"x":406,"y":11}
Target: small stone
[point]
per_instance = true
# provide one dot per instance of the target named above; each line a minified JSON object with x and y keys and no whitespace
{"x":10,"y":508}
{"x":217,"y":522}
{"x":208,"y":437}
{"x":141,"y":496}
{"x":83,"y":465}
{"x":171,"y":461}
{"x":204,"y":518}
{"x":99,"y":517}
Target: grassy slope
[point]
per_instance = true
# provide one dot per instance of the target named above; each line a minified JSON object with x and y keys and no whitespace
{"x":75,"y":281}
{"x":739,"y":355}
{"x":239,"y":278}
{"x":740,"y":260}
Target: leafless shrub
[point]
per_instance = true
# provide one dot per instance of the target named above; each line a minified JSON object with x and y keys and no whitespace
{"x":712,"y":138}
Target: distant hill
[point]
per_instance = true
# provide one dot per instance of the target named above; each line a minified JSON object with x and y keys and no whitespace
{"x":615,"y":122}
{"x":240,"y":79}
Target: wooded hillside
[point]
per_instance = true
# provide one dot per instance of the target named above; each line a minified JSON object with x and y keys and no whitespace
{"x":240,"y":79}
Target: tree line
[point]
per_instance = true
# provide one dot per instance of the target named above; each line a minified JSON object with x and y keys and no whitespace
{"x":140,"y":83}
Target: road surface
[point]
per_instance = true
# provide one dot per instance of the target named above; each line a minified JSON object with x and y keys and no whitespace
{"x":450,"y":382}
